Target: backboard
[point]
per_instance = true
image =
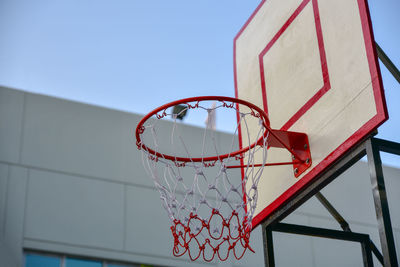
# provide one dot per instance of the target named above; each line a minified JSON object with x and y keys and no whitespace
{"x":312,"y":66}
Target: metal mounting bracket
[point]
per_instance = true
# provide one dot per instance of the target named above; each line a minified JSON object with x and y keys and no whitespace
{"x":297,"y":144}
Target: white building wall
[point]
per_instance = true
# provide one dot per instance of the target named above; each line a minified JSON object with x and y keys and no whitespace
{"x":72,"y":182}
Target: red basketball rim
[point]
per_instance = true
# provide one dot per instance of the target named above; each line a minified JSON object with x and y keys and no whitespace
{"x":259,"y":113}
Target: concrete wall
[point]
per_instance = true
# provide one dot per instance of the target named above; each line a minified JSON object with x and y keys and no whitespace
{"x":72,"y":182}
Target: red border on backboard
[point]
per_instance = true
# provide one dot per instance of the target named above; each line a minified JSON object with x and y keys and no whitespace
{"x":366,"y":129}
{"x":324,"y":66}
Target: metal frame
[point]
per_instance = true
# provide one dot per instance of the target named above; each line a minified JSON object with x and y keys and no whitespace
{"x":370,"y":147}
{"x":344,"y":225}
{"x":363,"y":239}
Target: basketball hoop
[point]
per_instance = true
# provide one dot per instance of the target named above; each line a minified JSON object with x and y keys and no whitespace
{"x":210,"y":194}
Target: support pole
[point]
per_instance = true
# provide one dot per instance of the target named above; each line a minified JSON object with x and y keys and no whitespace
{"x":381,"y":204}
{"x":345,"y":226}
{"x":268,"y":242}
{"x":388,"y":63}
{"x":366,"y":253}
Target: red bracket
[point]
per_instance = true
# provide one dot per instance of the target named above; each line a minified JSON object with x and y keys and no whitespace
{"x":297,"y":144}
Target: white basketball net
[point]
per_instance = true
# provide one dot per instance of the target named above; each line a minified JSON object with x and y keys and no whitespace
{"x":211,"y":205}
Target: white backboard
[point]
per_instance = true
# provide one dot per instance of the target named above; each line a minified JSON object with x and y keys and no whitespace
{"x":312,"y":66}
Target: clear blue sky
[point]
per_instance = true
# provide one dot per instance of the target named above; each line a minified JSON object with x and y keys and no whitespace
{"x":135,"y":55}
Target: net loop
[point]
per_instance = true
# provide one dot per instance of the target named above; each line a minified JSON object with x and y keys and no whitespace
{"x":164,"y":114}
{"x":193,"y":106}
{"x":183,"y":240}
